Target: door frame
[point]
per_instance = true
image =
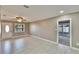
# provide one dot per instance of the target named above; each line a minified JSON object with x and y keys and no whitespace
{"x":70,"y":31}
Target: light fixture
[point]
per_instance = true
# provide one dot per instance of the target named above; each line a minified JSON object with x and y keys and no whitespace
{"x":62,"y":11}
{"x":19,"y":19}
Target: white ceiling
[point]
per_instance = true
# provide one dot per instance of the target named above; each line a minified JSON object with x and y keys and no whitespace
{"x":35,"y":12}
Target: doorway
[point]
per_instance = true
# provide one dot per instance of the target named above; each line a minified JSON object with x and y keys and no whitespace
{"x":64,"y":32}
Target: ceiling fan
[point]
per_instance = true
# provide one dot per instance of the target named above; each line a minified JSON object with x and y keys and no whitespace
{"x":19,"y":19}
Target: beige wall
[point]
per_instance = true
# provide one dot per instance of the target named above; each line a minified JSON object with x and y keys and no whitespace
{"x":5,"y":34}
{"x":47,"y":28}
{"x":11,"y":33}
{"x":27,"y":28}
{"x":0,"y":30}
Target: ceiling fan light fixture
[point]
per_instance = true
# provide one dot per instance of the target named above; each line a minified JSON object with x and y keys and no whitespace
{"x":19,"y":19}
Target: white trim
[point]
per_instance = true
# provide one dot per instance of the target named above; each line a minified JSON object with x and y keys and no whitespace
{"x":13,"y":37}
{"x":43,"y":39}
{"x":70,"y":30}
{"x":57,"y":31}
{"x":74,"y":48}
{"x":53,"y":42}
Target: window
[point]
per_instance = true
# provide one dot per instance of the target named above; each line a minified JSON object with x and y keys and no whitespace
{"x":19,"y":27}
{"x":6,"y":28}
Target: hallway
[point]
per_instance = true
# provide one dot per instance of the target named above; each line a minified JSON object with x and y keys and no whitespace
{"x":33,"y":45}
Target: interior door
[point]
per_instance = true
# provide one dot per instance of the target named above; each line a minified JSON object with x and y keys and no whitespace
{"x":64,"y":32}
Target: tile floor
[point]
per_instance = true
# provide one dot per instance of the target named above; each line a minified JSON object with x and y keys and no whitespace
{"x":32,"y":45}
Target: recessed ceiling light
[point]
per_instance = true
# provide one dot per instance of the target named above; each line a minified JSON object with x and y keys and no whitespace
{"x":62,"y":11}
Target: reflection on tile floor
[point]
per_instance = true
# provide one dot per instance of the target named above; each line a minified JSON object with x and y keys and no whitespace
{"x":31,"y":45}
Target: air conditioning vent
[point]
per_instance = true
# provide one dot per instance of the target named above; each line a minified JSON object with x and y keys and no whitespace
{"x":26,"y":6}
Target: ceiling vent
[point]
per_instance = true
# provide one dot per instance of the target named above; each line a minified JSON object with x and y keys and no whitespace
{"x":26,"y":6}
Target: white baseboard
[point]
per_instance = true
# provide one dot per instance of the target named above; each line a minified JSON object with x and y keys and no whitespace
{"x":52,"y":42}
{"x":13,"y":37}
{"x":44,"y":39}
{"x":75,"y":48}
